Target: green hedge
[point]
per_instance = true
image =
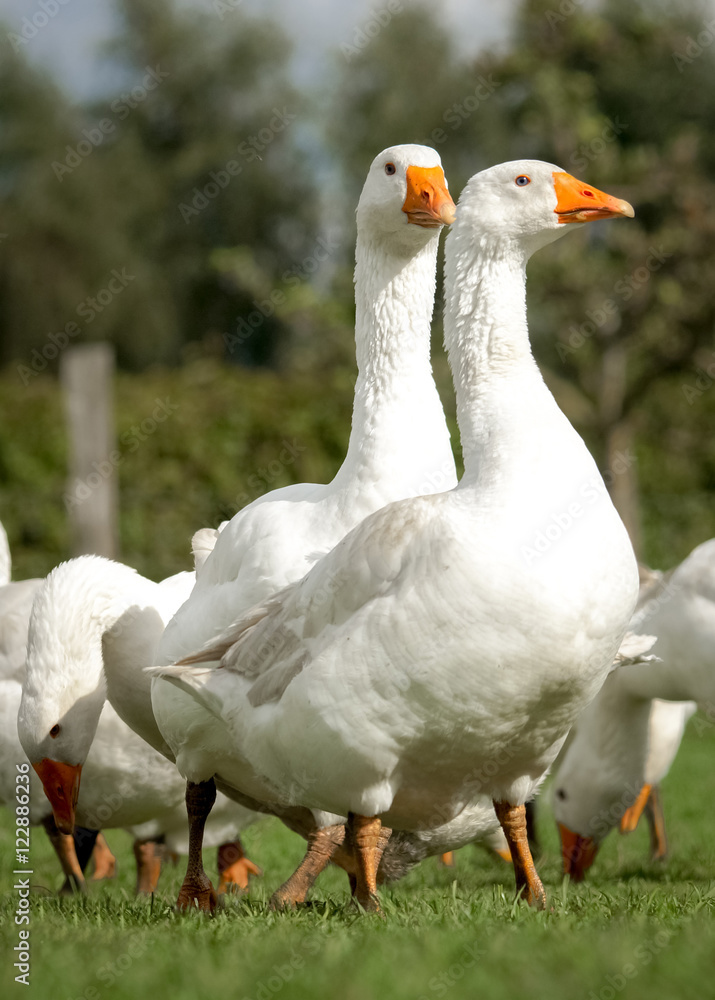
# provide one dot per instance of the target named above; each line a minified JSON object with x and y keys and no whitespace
{"x":231,"y":434}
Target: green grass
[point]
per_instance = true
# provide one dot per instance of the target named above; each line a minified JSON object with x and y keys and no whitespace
{"x":634,"y":929}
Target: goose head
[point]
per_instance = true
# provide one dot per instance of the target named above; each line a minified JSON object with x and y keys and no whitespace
{"x":62,"y":699}
{"x":530,"y":203}
{"x":600,"y":775}
{"x":405,"y":200}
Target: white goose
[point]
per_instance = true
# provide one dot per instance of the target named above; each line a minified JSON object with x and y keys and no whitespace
{"x":433,"y":641}
{"x":399,"y":446}
{"x":666,"y":726}
{"x":15,"y":606}
{"x":625,"y":739}
{"x":94,"y":625}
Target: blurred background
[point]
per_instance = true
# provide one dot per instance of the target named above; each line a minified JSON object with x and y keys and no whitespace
{"x":179,"y":181}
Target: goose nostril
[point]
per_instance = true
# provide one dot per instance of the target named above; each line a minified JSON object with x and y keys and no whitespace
{"x":588,"y":194}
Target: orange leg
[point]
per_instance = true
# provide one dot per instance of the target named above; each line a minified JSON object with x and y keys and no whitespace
{"x":630,"y":818}
{"x":513,"y":823}
{"x":234,"y":868}
{"x":656,"y":824}
{"x":196,"y":890}
{"x":148,"y":854}
{"x":447,"y":859}
{"x":322,"y":844}
{"x":105,"y":864}
{"x":368,"y":844}
{"x":63,"y":845}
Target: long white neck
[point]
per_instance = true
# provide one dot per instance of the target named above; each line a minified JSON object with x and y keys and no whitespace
{"x":399,"y":433}
{"x":508,"y":420}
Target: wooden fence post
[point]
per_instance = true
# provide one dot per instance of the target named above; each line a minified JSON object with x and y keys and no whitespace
{"x":92,"y":498}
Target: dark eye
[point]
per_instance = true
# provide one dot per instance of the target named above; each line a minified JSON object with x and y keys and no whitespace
{"x":522,"y":180}
{"x":560,"y":793}
{"x":55,"y":731}
{"x":390,"y":168}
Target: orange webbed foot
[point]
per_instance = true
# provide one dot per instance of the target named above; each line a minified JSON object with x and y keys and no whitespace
{"x":237,"y":875}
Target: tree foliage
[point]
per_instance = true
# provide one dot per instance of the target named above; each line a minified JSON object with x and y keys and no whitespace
{"x":185,"y":215}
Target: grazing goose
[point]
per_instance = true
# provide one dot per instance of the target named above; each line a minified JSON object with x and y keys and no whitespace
{"x":399,"y":446}
{"x":86,"y":712}
{"x":665,"y":731}
{"x":72,"y":852}
{"x":435,"y":640}
{"x":619,"y":744}
{"x":15,"y":606}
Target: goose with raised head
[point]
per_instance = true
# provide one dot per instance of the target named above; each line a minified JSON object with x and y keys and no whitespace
{"x":433,"y":641}
{"x":399,"y":446}
{"x":625,"y":740}
{"x":86,"y":712}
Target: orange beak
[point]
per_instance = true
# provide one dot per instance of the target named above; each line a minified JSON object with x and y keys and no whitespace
{"x":428,"y":203}
{"x":61,"y":784}
{"x":579,"y":202}
{"x":578,"y":853}
{"x":629,"y":819}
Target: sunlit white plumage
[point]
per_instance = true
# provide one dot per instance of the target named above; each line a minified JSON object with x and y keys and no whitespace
{"x":627,"y":737}
{"x":94,"y":625}
{"x":399,"y":446}
{"x":15,"y":606}
{"x":434,"y":642}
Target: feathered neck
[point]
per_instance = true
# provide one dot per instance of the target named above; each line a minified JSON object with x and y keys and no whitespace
{"x":503,"y":404}
{"x":398,"y":426}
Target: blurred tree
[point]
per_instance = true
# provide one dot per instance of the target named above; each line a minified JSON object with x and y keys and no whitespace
{"x":601,"y":92}
{"x":394,"y":89}
{"x":623,"y":97}
{"x":198,"y":149}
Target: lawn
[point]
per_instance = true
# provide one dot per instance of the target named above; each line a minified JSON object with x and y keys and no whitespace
{"x":634,"y":929}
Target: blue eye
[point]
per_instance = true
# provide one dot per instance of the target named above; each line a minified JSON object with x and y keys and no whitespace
{"x":522,"y":180}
